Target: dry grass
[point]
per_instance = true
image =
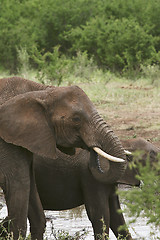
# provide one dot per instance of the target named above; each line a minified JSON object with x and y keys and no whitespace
{"x":131,"y":108}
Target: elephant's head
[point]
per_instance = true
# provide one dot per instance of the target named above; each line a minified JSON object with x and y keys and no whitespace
{"x":110,"y":172}
{"x":59,"y":116}
{"x":141,"y":150}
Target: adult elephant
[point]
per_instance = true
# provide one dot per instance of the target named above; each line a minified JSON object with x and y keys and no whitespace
{"x":71,"y":181}
{"x":34,"y":120}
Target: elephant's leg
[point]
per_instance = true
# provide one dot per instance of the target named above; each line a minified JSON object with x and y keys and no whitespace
{"x":17,"y":198}
{"x":35,"y":212}
{"x":15,"y":181}
{"x":117,"y":219}
{"x":97,"y":207}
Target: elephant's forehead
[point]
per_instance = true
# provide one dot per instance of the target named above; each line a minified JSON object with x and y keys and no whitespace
{"x":73,"y":92}
{"x":70,"y":99}
{"x":77,"y":98}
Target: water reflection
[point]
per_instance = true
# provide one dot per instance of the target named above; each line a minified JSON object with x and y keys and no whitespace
{"x":71,"y":220}
{"x":76,"y":220}
{"x":66,"y":220}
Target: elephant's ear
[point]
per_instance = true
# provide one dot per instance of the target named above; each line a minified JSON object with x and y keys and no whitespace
{"x":23,"y":123}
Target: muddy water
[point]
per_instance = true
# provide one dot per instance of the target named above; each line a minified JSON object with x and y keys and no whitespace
{"x":66,"y":220}
{"x":76,"y":220}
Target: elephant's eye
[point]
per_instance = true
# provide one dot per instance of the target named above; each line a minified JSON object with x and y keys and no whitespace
{"x":76,"y":119}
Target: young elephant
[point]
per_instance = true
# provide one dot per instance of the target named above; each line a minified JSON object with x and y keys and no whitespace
{"x":35,"y":119}
{"x":140,"y":144}
{"x":71,"y":181}
{"x":146,"y":148}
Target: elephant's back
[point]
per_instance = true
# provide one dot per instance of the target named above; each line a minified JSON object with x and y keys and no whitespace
{"x":13,"y":86}
{"x":139,"y":144}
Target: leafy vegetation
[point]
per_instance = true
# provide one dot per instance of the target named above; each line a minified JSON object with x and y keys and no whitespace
{"x":144,"y":202}
{"x":56,"y":235}
{"x":119,"y":35}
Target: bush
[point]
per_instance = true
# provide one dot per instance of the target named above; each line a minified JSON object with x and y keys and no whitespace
{"x":117,"y":44}
{"x":62,"y":235}
{"x":55,"y":68}
{"x":152,"y":72}
{"x":145,"y":201}
{"x":56,"y":235}
{"x":16,"y":30}
{"x":58,"y":17}
{"x":119,"y":34}
{"x":50,"y":65}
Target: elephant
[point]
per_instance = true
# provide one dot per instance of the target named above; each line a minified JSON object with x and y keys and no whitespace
{"x":140,"y":144}
{"x":145,"y":147}
{"x":69,"y":182}
{"x":41,"y":120}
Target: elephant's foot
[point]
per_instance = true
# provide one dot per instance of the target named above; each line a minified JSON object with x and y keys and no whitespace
{"x":36,"y":235}
{"x":4,"y":228}
{"x":7,"y":228}
{"x":125,"y":235}
{"x":103,"y":236}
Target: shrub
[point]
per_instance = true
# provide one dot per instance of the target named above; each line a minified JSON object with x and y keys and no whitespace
{"x":16,"y":30}
{"x":145,"y":201}
{"x":62,"y":235}
{"x":117,"y":44}
{"x":23,"y":60}
{"x":152,"y":72}
{"x":56,"y":68}
{"x":58,"y":17}
{"x":119,"y":34}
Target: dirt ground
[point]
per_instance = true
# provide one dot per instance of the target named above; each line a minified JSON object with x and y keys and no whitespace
{"x":135,"y":120}
{"x":130,"y":127}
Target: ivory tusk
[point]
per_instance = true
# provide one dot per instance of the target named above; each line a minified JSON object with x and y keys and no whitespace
{"x":127,"y":152}
{"x":106,"y":155}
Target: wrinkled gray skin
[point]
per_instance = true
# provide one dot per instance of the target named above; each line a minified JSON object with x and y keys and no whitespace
{"x":68,"y":182}
{"x":140,"y":144}
{"x":145,"y":149}
{"x":36,"y":121}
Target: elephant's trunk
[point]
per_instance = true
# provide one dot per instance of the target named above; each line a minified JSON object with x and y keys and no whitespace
{"x":107,"y":141}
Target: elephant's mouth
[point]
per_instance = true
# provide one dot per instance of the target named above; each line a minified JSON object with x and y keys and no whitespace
{"x":70,"y":150}
{"x":67,"y":150}
{"x":97,"y":151}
